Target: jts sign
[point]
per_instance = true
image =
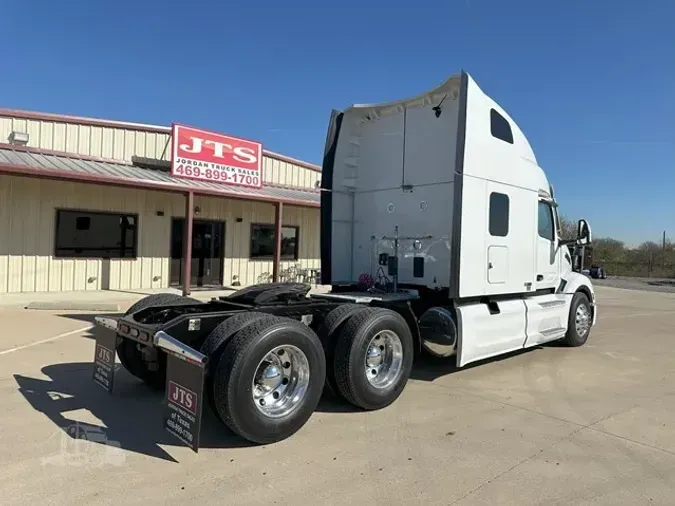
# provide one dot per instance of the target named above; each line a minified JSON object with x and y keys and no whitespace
{"x":208,"y":156}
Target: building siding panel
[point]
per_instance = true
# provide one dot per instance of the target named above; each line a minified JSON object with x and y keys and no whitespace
{"x":27,"y":233}
{"x":107,"y":143}
{"x":72,"y":138}
{"x":96,"y":141}
{"x":59,"y":138}
{"x":5,"y":216}
{"x":118,"y":144}
{"x":5,"y":128}
{"x":84,"y":140}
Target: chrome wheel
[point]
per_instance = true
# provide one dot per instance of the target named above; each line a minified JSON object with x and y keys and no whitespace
{"x":582,"y":320}
{"x":281,"y":381}
{"x":384,"y":359}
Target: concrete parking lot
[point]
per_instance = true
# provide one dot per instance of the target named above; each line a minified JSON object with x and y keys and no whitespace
{"x":593,"y":425}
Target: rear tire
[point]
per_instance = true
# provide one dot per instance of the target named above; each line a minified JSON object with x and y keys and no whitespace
{"x":579,"y":321}
{"x":217,"y":341}
{"x":270,"y":381}
{"x":329,"y":333}
{"x":373,"y":358}
{"x":129,"y":351}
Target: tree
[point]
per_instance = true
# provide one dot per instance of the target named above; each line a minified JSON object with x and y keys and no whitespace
{"x":568,"y":228}
{"x":648,"y":259}
{"x":608,"y":250}
{"x":649,"y":254}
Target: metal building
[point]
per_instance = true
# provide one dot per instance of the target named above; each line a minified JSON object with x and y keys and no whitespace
{"x":89,"y":204}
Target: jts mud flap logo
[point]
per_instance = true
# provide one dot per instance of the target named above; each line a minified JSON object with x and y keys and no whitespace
{"x":183,"y":397}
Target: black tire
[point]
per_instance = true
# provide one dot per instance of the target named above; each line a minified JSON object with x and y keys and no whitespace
{"x":161,"y":299}
{"x":573,"y":338}
{"x":329,"y":332}
{"x":233,"y":380}
{"x":350,"y":358}
{"x":128,"y":351}
{"x":216,"y":344}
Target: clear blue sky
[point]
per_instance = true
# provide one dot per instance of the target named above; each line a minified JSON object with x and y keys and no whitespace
{"x":591,"y":82}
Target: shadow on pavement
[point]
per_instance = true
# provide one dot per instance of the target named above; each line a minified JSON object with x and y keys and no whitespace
{"x":131,"y":417}
{"x":428,"y":368}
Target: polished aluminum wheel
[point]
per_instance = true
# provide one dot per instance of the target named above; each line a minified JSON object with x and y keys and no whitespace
{"x":582,"y":320}
{"x":281,"y":381}
{"x":384,"y":359}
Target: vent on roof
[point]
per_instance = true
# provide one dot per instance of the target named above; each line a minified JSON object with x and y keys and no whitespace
{"x":151,"y":163}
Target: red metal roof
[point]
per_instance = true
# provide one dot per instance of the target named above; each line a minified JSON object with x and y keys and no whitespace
{"x":35,"y":163}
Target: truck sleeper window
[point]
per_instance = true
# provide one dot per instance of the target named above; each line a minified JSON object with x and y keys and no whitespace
{"x":546,"y":227}
{"x":499,"y":214}
{"x":500,"y":128}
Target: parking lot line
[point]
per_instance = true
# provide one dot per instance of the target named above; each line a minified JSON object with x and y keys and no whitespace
{"x":54,"y":338}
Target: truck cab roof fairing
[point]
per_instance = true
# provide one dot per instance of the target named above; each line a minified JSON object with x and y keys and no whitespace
{"x":449,"y":87}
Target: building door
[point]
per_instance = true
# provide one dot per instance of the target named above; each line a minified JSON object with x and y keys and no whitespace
{"x":208,"y":240}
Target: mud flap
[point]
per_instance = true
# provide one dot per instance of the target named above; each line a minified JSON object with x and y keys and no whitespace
{"x":104,"y":354}
{"x":185,"y":372}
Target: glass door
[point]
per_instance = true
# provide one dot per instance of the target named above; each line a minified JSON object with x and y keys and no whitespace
{"x":208,"y":239}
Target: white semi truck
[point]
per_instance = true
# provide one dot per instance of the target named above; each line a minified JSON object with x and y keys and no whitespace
{"x":439,"y":234}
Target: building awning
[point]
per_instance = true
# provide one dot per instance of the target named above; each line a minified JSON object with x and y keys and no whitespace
{"x":24,"y":162}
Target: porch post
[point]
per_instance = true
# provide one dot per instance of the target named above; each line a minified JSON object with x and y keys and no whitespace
{"x":278,"y":218}
{"x":187,"y":242}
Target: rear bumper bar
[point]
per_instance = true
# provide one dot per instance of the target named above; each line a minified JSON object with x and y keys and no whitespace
{"x":106,"y":322}
{"x":173,"y":346}
{"x":160,"y":339}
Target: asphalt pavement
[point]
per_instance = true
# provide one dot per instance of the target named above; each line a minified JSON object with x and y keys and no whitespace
{"x":553,"y":425}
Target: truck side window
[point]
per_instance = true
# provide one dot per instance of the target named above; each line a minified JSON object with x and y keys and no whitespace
{"x":546,"y":228}
{"x":499,"y":214}
{"x":500,"y":128}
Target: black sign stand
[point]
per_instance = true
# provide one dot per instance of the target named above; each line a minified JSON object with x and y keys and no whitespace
{"x":184,"y":399}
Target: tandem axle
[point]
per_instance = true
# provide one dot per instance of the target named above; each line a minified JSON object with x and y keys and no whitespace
{"x":261,"y":357}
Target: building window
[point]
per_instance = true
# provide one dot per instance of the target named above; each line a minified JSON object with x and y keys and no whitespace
{"x":86,"y":234}
{"x":500,"y":128}
{"x":499,"y":214}
{"x":262,"y":242}
{"x":546,"y":227}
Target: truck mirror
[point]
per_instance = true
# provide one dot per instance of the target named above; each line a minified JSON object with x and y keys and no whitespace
{"x":583,"y":232}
